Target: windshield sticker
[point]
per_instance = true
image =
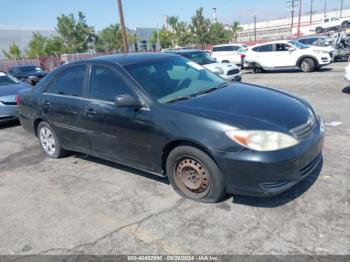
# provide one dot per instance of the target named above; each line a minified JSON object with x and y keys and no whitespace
{"x":2,"y":74}
{"x":196,"y":66}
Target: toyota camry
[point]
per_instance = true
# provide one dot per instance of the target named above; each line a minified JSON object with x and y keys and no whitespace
{"x":167,"y":115}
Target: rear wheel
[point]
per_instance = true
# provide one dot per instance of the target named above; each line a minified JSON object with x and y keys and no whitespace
{"x":225,"y":61}
{"x":193,"y":174}
{"x":49,"y":141}
{"x":319,"y":30}
{"x":307,"y":65}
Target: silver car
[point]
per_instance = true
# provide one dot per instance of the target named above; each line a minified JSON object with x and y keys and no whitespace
{"x":9,"y":86}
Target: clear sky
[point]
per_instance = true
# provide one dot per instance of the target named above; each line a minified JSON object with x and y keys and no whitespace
{"x":146,"y":13}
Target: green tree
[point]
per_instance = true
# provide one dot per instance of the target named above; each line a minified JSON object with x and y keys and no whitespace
{"x":165,"y":38}
{"x":109,"y":39}
{"x":77,"y":35}
{"x":183,"y":36}
{"x":54,"y":46}
{"x":218,"y":34}
{"x":200,"y":28}
{"x":14,"y":51}
{"x":36,"y":47}
{"x":235,"y":27}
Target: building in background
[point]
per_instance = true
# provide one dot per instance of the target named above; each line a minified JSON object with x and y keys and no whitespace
{"x":22,"y":36}
{"x":281,"y":28}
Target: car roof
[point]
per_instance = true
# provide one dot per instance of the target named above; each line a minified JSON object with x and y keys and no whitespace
{"x":272,"y":42}
{"x":130,"y":58}
{"x":229,"y":45}
{"x":180,"y":51}
{"x":20,"y":66}
{"x":312,"y":36}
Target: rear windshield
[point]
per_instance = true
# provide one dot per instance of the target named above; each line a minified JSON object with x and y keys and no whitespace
{"x":6,"y":79}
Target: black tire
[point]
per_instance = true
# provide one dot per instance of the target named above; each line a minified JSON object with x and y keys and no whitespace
{"x":225,"y":61}
{"x":319,"y":30}
{"x":56,"y":149}
{"x":345,"y":24}
{"x":307,"y":65}
{"x":194,"y":175}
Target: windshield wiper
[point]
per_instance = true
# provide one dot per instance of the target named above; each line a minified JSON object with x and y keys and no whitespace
{"x":211,"y":89}
{"x":180,"y":98}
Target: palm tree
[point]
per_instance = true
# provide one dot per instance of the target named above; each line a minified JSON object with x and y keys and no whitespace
{"x":235,"y":27}
{"x":173,"y":21}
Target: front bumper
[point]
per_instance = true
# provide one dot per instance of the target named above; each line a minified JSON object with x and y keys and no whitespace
{"x":270,"y":173}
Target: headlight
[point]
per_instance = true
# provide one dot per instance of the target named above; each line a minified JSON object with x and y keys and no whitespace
{"x":219,"y":70}
{"x":262,"y":140}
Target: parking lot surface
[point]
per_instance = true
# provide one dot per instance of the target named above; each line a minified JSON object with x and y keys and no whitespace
{"x":83,"y":205}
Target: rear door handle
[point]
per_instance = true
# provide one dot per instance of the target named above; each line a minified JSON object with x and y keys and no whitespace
{"x":90,"y":112}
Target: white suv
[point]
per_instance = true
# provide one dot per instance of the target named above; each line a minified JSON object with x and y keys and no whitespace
{"x":332,"y":23}
{"x":286,"y":55}
{"x":228,"y":53}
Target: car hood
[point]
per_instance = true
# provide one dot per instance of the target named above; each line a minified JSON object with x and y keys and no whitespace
{"x":249,"y":107}
{"x":225,"y":66}
{"x":12,"y":89}
{"x":322,"y":48}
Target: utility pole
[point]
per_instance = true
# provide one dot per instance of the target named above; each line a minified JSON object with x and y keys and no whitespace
{"x":255,"y":28}
{"x":341,"y":8}
{"x":122,"y":27}
{"x":325,"y":9}
{"x":299,"y":19}
{"x":311,"y":11}
{"x":215,"y":20}
{"x":291,"y":6}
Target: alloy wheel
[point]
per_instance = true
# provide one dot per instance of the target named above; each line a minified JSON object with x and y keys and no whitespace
{"x":47,"y":141}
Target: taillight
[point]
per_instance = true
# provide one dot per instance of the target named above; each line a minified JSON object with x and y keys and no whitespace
{"x":17,"y":99}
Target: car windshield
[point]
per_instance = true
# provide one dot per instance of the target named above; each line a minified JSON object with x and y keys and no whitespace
{"x":28,"y":69}
{"x":172,"y":79}
{"x":6,"y":79}
{"x":201,"y":58}
{"x":298,"y":45}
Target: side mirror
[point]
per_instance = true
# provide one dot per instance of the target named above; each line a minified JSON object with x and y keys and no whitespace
{"x":127,"y":101}
{"x":291,"y":49}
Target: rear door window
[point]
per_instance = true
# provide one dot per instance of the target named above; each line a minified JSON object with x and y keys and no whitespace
{"x":264,"y":48}
{"x":70,"y":82}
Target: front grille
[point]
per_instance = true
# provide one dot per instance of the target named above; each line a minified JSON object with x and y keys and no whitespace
{"x":304,"y":130}
{"x":310,"y":166}
{"x":233,"y":72}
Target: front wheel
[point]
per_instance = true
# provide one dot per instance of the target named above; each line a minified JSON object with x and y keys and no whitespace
{"x":307,"y":65}
{"x":193,"y":174}
{"x":345,"y":24}
{"x":49,"y":141}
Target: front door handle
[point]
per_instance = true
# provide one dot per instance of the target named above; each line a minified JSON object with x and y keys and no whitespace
{"x":45,"y":104}
{"x":90,"y":112}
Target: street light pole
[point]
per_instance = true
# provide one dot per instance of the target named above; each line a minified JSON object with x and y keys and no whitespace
{"x":122,"y":27}
{"x":341,"y":8}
